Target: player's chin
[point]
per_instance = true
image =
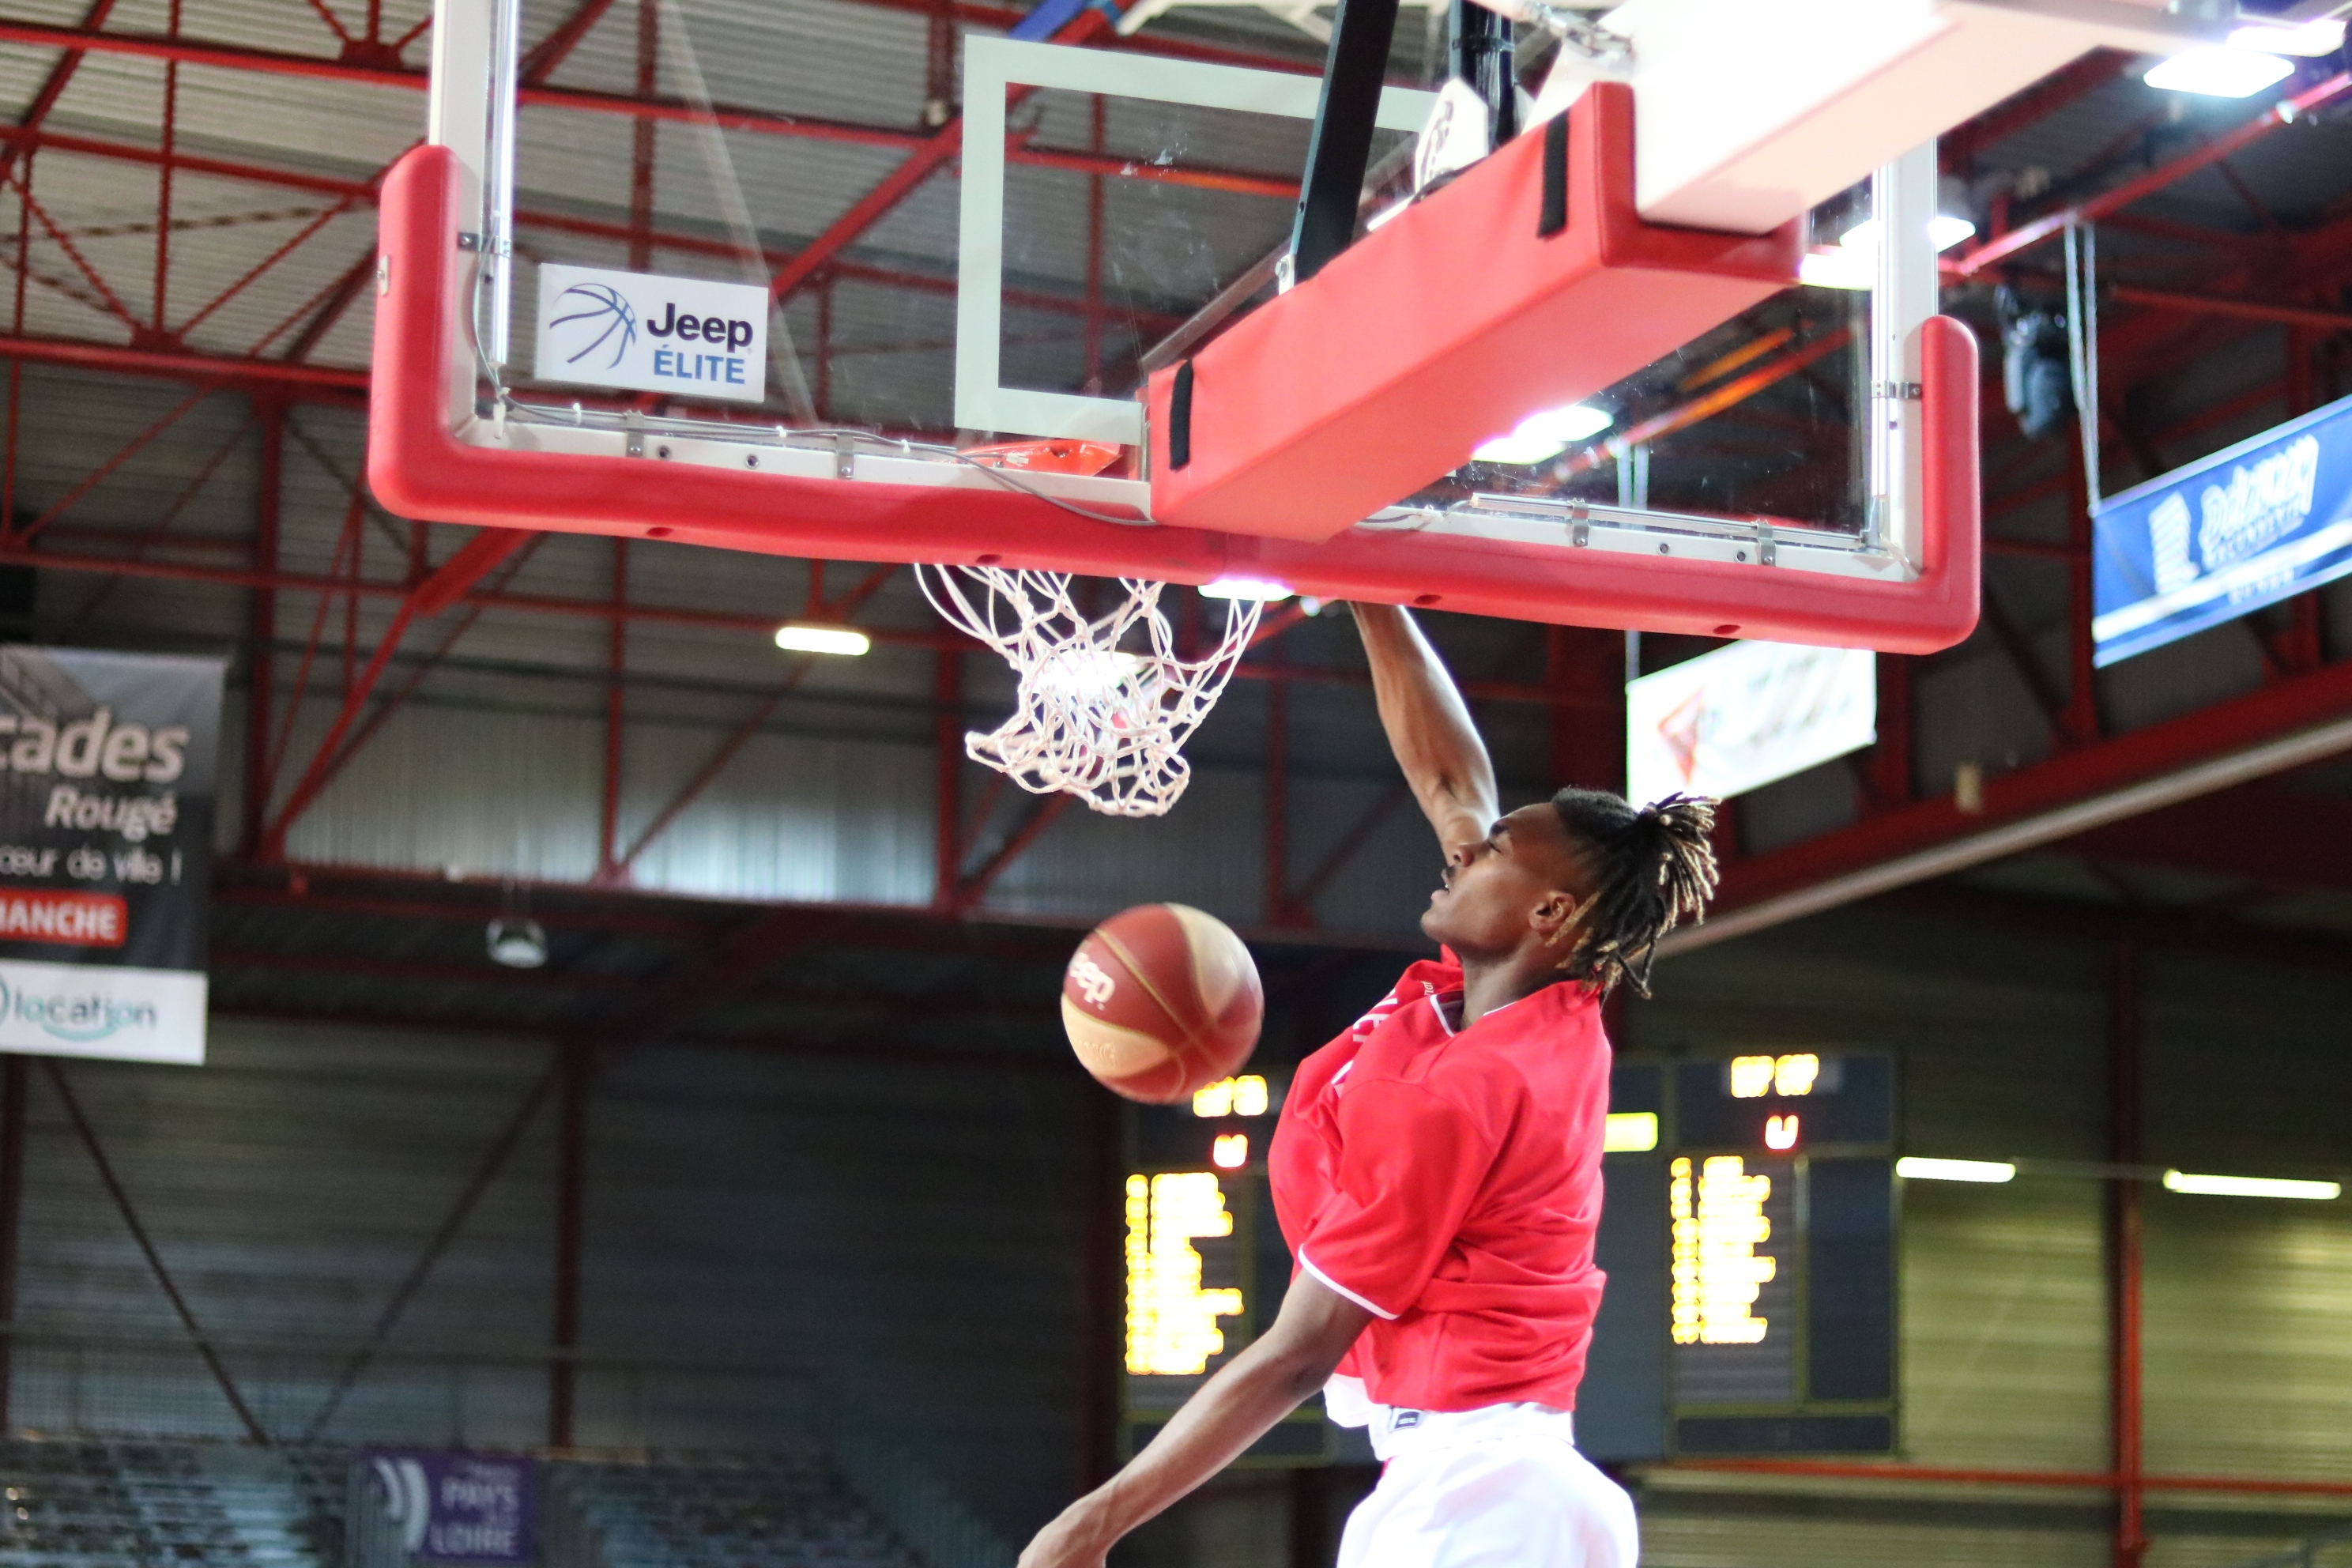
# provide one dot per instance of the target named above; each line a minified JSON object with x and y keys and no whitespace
{"x":1433,"y":923}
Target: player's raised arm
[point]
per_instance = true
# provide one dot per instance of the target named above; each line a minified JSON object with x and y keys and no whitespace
{"x":1429,"y":728}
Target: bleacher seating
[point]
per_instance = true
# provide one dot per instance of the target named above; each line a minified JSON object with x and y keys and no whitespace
{"x":781,"y":1510}
{"x":131,"y":1504}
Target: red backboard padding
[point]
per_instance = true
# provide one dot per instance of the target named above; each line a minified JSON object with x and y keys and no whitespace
{"x":419,"y":468}
{"x":1445,"y":328}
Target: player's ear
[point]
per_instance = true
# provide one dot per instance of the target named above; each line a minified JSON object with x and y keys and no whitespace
{"x":1557,"y":917}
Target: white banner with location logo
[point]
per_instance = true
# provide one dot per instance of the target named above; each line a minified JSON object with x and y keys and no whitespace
{"x":75,"y":1010}
{"x":686,"y":336}
{"x":1744,"y":715}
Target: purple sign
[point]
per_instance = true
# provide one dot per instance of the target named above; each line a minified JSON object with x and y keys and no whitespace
{"x":457,"y":1508}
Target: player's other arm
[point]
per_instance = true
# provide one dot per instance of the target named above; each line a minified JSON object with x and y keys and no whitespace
{"x":1429,"y":728}
{"x":1233,"y":1409}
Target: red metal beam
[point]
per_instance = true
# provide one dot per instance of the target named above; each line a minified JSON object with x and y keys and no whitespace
{"x":2019,"y":241}
{"x":1958,"y":148}
{"x":971,"y":890}
{"x":574,"y":1070}
{"x":554,"y":49}
{"x":215,"y":370}
{"x":617,"y":665}
{"x":726,"y":750}
{"x":54,"y":85}
{"x":429,"y":598}
{"x":1710,"y":404}
{"x":1949,"y":1475}
{"x":2296,"y":721}
{"x":2126,"y":1366}
{"x":918,"y":167}
{"x":2223,"y":305}
{"x":2238,"y":835}
{"x":1089,"y":27}
{"x":261,"y":622}
{"x":1298,"y":905}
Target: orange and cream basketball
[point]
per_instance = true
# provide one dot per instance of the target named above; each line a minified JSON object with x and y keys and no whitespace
{"x":1160,"y":1000}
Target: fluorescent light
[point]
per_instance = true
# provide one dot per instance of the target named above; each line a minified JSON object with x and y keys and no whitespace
{"x":798,"y":636}
{"x":1546,"y":434}
{"x":2219,"y":72}
{"x":2309,"y":39}
{"x":1256,"y":588}
{"x":1838,"y":268}
{"x":2251,"y":1186}
{"x":1630,"y":1132}
{"x":518,"y":944}
{"x":1918,"y":1169}
{"x":1945,"y":230}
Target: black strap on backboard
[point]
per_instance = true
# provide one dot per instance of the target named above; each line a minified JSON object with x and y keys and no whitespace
{"x":1479,"y":51}
{"x":1333,"y":190}
{"x":1179,"y":418}
{"x":1554,"y":217}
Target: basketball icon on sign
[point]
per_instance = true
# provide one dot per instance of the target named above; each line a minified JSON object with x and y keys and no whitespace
{"x":600,"y":311}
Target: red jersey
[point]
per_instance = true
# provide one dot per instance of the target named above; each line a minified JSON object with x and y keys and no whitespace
{"x":1449,"y":1181}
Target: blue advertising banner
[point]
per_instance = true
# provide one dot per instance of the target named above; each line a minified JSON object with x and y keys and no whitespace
{"x":2261,"y":522}
{"x":458,"y":1508}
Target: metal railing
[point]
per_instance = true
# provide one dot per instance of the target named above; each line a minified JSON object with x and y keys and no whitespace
{"x":641,"y":1410}
{"x":925,"y":1514}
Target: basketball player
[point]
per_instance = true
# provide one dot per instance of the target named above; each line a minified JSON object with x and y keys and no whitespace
{"x":1437,"y":1173}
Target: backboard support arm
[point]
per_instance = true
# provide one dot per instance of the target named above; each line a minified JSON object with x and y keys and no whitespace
{"x":1342,"y":148}
{"x":1478,"y":50}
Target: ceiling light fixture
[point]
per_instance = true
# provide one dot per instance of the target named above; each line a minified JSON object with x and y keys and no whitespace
{"x":799,"y":636}
{"x":1852,"y":261}
{"x":1919,"y":1168}
{"x":516,"y":942}
{"x":1544,"y":435}
{"x":1258,"y":588}
{"x":2312,"y":39}
{"x":2219,"y":72}
{"x":2251,"y":1186}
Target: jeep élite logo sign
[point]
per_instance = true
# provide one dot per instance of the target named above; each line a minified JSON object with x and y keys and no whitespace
{"x":686,"y":336}
{"x":107,"y":763}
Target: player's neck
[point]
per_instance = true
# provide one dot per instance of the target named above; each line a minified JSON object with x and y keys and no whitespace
{"x":1489,"y":983}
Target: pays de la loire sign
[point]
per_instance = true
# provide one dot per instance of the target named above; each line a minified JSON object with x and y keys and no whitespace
{"x":686,"y":336}
{"x":2261,"y":521}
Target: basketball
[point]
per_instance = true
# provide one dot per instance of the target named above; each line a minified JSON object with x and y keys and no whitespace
{"x":1160,"y":1000}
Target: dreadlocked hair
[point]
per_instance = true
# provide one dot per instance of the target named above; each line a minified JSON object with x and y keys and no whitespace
{"x":1650,"y":868}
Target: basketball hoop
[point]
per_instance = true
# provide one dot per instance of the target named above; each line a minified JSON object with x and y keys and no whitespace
{"x":1092,"y":718}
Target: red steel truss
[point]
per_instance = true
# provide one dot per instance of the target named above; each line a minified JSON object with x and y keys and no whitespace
{"x":2239,"y":291}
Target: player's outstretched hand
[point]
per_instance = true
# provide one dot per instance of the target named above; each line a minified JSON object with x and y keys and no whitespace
{"x":1074,"y":1540}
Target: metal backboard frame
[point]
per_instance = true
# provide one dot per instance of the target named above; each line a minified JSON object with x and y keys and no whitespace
{"x":990,"y":66}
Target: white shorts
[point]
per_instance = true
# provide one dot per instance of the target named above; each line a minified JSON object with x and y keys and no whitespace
{"x":1499,"y":1488}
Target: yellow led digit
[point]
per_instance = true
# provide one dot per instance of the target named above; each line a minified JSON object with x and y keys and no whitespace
{"x":1718,"y":1222}
{"x":1249,"y":1095}
{"x":1172,"y":1321}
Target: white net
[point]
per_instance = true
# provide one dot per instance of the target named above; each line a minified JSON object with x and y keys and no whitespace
{"x":1106,"y":702}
